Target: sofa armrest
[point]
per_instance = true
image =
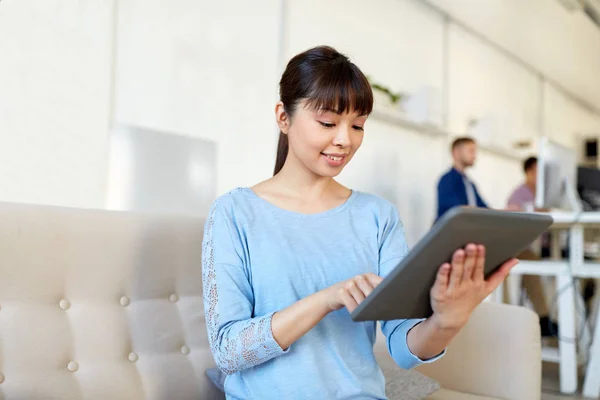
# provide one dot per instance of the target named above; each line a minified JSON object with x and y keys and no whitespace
{"x":497,"y":354}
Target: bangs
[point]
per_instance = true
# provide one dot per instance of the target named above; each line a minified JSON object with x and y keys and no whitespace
{"x":341,"y":88}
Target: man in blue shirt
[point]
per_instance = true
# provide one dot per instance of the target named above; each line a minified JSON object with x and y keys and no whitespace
{"x":454,"y":188}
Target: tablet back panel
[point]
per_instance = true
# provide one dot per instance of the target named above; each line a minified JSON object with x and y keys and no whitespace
{"x":405,"y":291}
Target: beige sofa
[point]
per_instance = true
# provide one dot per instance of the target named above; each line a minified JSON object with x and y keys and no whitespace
{"x":106,"y":305}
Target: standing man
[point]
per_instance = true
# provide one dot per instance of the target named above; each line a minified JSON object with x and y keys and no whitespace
{"x":454,"y":188}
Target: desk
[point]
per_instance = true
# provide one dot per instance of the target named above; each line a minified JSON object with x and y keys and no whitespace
{"x":575,"y":266}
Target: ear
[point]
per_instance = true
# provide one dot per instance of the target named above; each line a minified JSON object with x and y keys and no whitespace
{"x":282,"y":117}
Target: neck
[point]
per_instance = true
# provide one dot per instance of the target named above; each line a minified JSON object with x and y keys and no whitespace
{"x":295,"y":179}
{"x":459,"y":167}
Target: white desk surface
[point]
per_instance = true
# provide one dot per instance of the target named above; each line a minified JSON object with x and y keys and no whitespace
{"x":569,"y":217}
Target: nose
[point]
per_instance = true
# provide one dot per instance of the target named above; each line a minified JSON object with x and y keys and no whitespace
{"x":342,"y":137}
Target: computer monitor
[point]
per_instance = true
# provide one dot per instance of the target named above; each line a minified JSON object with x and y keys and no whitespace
{"x":556,"y":177}
{"x":588,"y":187}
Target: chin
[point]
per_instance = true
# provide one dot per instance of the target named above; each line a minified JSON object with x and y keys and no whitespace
{"x":325,"y":170}
{"x":331,"y":173}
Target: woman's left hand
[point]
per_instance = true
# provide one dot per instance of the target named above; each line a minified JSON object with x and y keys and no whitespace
{"x":460,"y":286}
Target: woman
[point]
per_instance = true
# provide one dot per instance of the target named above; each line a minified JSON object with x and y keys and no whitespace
{"x":286,"y":261}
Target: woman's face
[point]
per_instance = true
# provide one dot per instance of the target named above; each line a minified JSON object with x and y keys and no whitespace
{"x":322,"y":141}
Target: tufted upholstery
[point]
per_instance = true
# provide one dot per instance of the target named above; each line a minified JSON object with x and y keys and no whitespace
{"x":108,"y":305}
{"x":101,"y":305}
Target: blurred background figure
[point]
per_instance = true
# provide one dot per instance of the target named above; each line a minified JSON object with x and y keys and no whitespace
{"x":455,"y":188}
{"x":523,"y":199}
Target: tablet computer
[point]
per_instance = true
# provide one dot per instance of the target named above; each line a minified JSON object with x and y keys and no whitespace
{"x":405,"y":291}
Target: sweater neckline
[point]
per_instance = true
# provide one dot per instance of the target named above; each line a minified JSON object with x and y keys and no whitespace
{"x":295,"y":214}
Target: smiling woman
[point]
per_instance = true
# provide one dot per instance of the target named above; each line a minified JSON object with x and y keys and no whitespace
{"x":322,"y":86}
{"x":284,"y":262}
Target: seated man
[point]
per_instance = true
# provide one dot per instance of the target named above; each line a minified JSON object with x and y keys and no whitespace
{"x":523,"y":199}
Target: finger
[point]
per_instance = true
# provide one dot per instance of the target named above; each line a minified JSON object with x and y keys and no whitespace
{"x":374,"y":280}
{"x":470,"y":261}
{"x":442,"y":278}
{"x":501,"y":273}
{"x":355,"y":292}
{"x":347,"y":300}
{"x":456,"y":270}
{"x":479,"y":271}
{"x":364,"y":285}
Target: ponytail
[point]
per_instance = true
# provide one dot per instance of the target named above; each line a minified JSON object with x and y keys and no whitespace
{"x":282,"y":151}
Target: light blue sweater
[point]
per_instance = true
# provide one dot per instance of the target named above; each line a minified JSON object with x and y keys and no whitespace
{"x":259,"y":259}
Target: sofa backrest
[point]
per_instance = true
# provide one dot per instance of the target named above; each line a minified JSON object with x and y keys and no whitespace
{"x":101,"y":305}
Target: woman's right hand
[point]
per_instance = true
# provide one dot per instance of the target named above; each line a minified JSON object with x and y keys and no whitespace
{"x":291,"y":323}
{"x":352,"y":292}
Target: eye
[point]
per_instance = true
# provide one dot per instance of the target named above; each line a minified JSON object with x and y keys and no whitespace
{"x":327,"y":124}
{"x":358,"y":128}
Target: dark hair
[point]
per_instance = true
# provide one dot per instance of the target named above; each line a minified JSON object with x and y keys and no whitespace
{"x":462,"y":140}
{"x":327,"y":80}
{"x":529,"y":163}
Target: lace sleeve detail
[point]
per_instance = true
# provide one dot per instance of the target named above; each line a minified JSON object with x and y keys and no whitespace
{"x":237,"y":340}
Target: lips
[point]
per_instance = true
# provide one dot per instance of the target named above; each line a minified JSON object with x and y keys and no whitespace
{"x":334,"y":159}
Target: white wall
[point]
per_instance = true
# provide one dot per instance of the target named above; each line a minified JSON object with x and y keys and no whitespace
{"x":203,"y":69}
{"x":563,"y":46}
{"x":54,"y":101}
{"x":485,"y":85}
{"x":565,"y":121}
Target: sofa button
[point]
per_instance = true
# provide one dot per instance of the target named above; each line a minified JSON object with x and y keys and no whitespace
{"x":72,"y":366}
{"x":1,"y":378}
{"x":185,"y":350}
{"x":64,"y":304}
{"x":124,"y":301}
{"x":174,"y":298}
{"x":133,"y":357}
